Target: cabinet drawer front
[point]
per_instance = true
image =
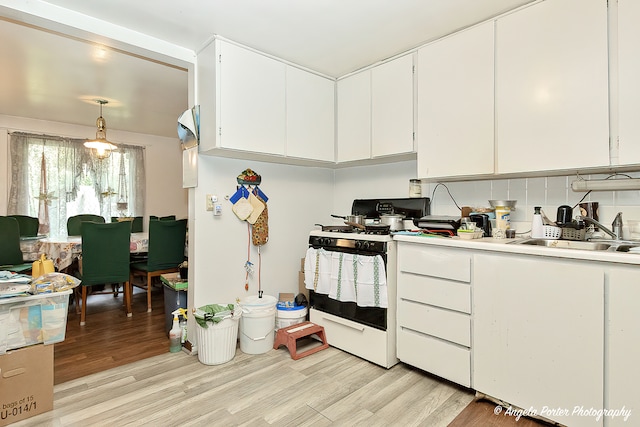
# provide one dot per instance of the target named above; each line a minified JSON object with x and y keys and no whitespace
{"x":436,"y":262}
{"x":365,"y":342}
{"x":445,"y":324}
{"x":433,"y":355}
{"x":435,"y":291}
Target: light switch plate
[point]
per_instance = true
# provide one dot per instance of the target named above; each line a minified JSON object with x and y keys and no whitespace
{"x":210,"y":201}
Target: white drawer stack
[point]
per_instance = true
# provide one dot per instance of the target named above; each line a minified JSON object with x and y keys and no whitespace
{"x":434,"y":310}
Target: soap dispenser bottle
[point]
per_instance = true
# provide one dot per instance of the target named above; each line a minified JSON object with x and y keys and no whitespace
{"x":175,"y":335}
{"x":537,"y":227}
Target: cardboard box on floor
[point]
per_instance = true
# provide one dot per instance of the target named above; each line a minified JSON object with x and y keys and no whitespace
{"x":26,"y":383}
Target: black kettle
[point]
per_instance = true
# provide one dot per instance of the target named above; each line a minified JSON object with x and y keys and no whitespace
{"x":564,"y":215}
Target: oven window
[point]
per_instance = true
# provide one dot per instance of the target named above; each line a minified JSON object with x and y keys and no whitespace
{"x":371,"y":316}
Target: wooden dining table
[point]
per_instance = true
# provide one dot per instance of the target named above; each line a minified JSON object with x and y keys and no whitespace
{"x":63,"y":250}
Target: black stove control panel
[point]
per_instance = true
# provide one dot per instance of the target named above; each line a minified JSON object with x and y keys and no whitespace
{"x":411,"y":208}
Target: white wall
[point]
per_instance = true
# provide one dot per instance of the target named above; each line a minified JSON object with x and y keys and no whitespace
{"x":371,"y":182}
{"x":299,"y":197}
{"x":163,"y":162}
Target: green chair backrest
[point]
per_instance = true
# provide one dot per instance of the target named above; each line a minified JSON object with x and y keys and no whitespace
{"x":74,"y":222}
{"x":28,"y":225}
{"x":10,"y":253}
{"x":136,"y":225}
{"x":162,"y":218}
{"x":166,"y":243}
{"x":105,"y":252}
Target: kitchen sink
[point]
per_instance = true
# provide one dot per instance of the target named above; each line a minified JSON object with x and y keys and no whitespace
{"x":628,"y":248}
{"x":566,"y":244}
{"x":600,"y":245}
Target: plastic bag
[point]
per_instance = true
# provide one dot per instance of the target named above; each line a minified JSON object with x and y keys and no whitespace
{"x":53,"y":282}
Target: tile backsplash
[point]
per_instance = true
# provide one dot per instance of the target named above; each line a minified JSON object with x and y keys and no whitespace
{"x":548,"y":192}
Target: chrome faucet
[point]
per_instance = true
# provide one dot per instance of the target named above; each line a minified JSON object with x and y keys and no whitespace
{"x":590,"y":220}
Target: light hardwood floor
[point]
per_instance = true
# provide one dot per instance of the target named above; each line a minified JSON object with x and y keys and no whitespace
{"x":327,"y":388}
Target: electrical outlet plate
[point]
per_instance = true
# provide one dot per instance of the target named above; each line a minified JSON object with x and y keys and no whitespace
{"x":211,"y":201}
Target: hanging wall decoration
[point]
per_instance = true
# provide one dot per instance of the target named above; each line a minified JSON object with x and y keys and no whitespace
{"x":250,"y":205}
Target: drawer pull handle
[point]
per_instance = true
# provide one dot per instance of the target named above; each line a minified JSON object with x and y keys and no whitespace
{"x":360,"y":329}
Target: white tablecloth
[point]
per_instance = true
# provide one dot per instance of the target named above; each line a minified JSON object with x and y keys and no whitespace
{"x":64,"y":250}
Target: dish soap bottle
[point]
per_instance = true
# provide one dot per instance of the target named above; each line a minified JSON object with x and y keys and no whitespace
{"x":537,"y":227}
{"x":175,"y":335}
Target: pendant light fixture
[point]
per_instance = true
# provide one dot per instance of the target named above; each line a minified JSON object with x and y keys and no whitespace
{"x":101,"y":147}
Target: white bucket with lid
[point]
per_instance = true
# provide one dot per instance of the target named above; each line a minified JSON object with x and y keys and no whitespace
{"x":288,"y":316}
{"x":257,"y":324}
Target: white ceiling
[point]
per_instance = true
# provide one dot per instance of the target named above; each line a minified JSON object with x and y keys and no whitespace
{"x":58,"y":73}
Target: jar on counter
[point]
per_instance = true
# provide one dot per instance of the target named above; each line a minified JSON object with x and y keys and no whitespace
{"x":415,"y":188}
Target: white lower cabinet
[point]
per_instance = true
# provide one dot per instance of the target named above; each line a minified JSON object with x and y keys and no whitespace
{"x":538,"y":335}
{"x":623,"y":349}
{"x":434,"y":310}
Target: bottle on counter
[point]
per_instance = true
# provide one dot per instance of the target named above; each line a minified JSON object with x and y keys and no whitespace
{"x":415,"y":188}
{"x":537,"y":227}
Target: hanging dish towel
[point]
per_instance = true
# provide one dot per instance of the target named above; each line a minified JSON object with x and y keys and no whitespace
{"x":372,"y":283}
{"x":344,"y":266}
{"x":317,"y":270}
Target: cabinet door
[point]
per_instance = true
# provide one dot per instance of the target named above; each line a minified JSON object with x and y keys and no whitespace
{"x":538,"y":338}
{"x":628,"y":82}
{"x":552,"y":87}
{"x":455,"y":104}
{"x":623,"y":336}
{"x":251,"y":101}
{"x":392,"y":107}
{"x":310,"y":115}
{"x":354,"y":117}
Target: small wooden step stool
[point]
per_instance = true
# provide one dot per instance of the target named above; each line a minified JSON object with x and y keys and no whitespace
{"x":289,"y":335}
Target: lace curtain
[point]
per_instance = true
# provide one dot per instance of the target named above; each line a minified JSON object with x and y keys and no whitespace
{"x":76,"y":182}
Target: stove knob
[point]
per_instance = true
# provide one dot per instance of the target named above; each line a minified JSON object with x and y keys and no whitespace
{"x":357,"y":244}
{"x":325,"y":241}
{"x":365,"y":245}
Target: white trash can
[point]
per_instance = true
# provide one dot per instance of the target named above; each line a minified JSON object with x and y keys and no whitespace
{"x":217,"y":342}
{"x":257,"y":324}
{"x":289,"y":316}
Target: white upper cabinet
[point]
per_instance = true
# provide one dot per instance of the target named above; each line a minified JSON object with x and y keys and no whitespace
{"x":256,"y":107}
{"x":628,"y":81}
{"x":252,"y":101}
{"x":310,"y":115}
{"x":375,"y":111}
{"x":552,"y":87}
{"x":354,"y":117}
{"x":456,"y":104}
{"x":392,"y":107}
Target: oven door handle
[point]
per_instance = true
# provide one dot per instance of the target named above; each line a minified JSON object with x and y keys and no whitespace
{"x":343,"y":323}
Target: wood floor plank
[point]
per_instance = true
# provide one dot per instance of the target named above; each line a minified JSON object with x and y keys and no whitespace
{"x":117,"y":371}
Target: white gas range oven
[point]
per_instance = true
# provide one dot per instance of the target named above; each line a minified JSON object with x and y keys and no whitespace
{"x":351,"y":277}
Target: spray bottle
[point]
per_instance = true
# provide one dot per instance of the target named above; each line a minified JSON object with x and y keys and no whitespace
{"x":537,"y":226}
{"x":183,"y":324}
{"x":175,"y":334}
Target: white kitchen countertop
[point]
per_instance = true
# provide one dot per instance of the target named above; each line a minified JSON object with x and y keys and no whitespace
{"x":509,"y":246}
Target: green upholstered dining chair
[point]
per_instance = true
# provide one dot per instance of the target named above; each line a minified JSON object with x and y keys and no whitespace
{"x":73,"y":222}
{"x":105,"y":259}
{"x":136,"y":224}
{"x":28,"y":225}
{"x":10,"y":254}
{"x":166,"y":253}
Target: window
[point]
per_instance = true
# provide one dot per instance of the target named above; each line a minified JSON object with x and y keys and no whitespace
{"x":53,"y":178}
